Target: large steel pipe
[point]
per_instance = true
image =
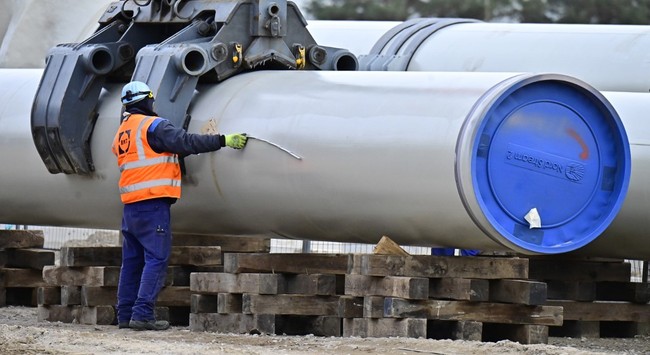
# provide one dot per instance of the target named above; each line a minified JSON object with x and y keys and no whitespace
{"x":427,"y":158}
{"x":608,"y":57}
{"x":627,"y":236}
{"x":29,"y":28}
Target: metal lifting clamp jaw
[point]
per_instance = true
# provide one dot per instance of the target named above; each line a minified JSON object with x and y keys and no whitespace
{"x":170,"y":45}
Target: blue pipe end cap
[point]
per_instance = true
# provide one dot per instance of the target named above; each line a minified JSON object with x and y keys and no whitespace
{"x":550,"y":164}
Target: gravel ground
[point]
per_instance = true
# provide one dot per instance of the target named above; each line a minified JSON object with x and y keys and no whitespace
{"x":21,"y":333}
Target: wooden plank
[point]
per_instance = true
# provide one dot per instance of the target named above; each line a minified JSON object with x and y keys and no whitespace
{"x":100,"y":315}
{"x":306,"y":325}
{"x":174,"y":296}
{"x":623,"y":291}
{"x":232,"y":323}
{"x":313,"y":284}
{"x":290,"y":305}
{"x":444,"y":266}
{"x":576,"y":270}
{"x":466,"y":330}
{"x":473,"y":311}
{"x":387,"y":246}
{"x":92,"y":296}
{"x":178,"y":275}
{"x":455,"y":330}
{"x":58,"y":313}
{"x":236,"y":283}
{"x":91,"y":256}
{"x":105,"y":275}
{"x":384,"y":327}
{"x":228,"y":244}
{"x":196,"y":255}
{"x":81,"y":276}
{"x":459,"y":289}
{"x":22,"y":278}
{"x":350,"y":307}
{"x":108,"y":275}
{"x":229,"y":303}
{"x":287,"y":263}
{"x":571,"y":290}
{"x":604,"y":311}
{"x":389,"y":286}
{"x":521,"y":333}
{"x":373,"y":307}
{"x":21,"y":239}
{"x":518,"y":291}
{"x":70,"y":295}
{"x":48,"y":295}
{"x":203,"y":303}
{"x":3,"y":258}
{"x":30,"y":258}
{"x":112,"y":256}
{"x":354,"y":265}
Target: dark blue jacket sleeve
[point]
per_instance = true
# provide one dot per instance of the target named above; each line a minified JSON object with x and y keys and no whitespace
{"x":164,"y":137}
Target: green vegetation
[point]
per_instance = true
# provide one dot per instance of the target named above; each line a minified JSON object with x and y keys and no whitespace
{"x":530,"y":11}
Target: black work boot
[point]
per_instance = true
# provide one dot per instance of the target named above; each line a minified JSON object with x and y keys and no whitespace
{"x":122,"y":325}
{"x":149,"y":324}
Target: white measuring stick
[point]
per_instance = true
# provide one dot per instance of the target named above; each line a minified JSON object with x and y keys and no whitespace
{"x":277,"y":146}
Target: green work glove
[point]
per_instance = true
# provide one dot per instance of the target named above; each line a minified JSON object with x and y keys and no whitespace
{"x":236,"y":141}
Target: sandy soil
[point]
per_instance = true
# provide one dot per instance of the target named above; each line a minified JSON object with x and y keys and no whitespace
{"x":21,"y":333}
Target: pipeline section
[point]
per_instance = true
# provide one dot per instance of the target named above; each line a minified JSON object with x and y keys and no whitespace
{"x":435,"y":159}
{"x":608,"y":57}
{"x":611,"y":58}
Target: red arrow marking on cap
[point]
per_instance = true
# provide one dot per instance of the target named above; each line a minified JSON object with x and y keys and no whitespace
{"x":585,"y":150}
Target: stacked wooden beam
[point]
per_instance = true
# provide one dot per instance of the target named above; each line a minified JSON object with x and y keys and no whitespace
{"x":83,"y":287}
{"x":272,"y":293}
{"x":480,"y":298}
{"x":22,"y":258}
{"x":597,"y":296}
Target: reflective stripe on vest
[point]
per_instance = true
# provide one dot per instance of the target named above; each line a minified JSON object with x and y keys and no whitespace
{"x":145,"y":174}
{"x":149,"y":184}
{"x":148,"y":162}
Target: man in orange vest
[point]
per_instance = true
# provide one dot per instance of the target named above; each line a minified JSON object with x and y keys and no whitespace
{"x":147,"y":149}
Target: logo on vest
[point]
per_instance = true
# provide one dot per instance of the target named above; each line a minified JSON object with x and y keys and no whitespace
{"x":124,"y":141}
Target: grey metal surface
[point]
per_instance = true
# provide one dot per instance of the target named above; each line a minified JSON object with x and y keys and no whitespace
{"x":379,"y":161}
{"x":29,"y":28}
{"x":357,"y":36}
{"x":628,"y":233}
{"x":609,"y":57}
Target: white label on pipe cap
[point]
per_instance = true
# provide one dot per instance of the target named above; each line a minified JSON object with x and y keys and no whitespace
{"x":533,"y":219}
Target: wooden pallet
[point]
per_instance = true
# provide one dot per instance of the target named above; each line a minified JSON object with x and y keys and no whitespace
{"x":597,"y":296}
{"x":478,"y":298}
{"x":83,"y":288}
{"x":22,"y":259}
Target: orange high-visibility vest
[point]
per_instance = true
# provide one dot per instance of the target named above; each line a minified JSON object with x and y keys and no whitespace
{"x":145,"y":174}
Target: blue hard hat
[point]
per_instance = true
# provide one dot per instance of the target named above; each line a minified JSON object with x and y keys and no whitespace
{"x":134,"y":92}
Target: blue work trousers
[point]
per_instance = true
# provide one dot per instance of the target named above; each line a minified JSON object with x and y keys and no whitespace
{"x":145,"y":253}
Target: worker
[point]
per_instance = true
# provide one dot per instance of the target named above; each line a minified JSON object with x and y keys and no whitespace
{"x":148,"y":148}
